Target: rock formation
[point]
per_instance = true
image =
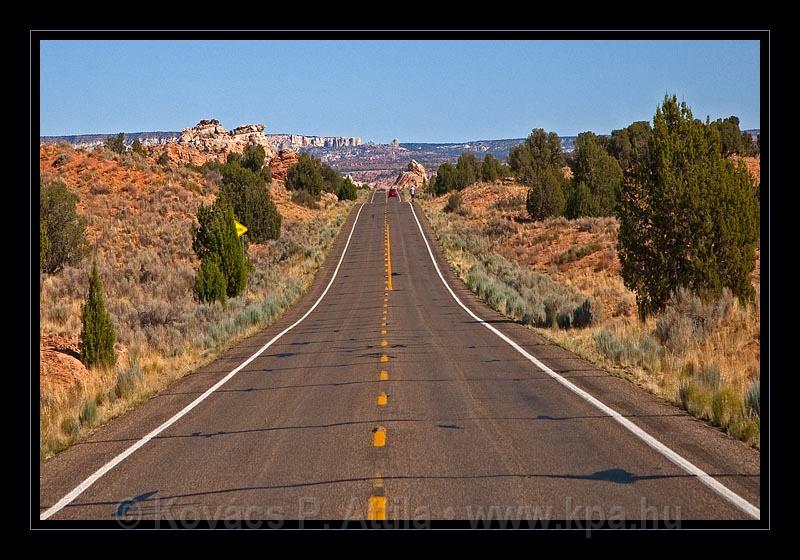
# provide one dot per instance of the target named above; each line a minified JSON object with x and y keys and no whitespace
{"x":180,"y":154}
{"x":413,"y":175}
{"x":280,"y":164}
{"x":210,"y":137}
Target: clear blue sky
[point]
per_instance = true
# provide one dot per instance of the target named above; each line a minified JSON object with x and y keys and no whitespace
{"x":415,"y":91}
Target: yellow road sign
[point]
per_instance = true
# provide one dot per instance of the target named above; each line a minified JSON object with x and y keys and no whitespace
{"x":240,"y":229}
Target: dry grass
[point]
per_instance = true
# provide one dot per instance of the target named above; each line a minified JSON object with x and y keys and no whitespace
{"x":141,"y":221}
{"x":664,"y":354}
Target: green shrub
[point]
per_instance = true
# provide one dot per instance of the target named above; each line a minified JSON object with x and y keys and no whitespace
{"x":163,"y":159}
{"x":582,"y":315}
{"x":347,"y":190}
{"x":512,"y":203}
{"x":71,"y":426}
{"x":649,"y":352}
{"x":43,"y":244}
{"x":97,"y":334}
{"x":726,"y":407}
{"x":454,"y":202}
{"x":138,"y":148}
{"x":608,"y":344}
{"x":128,"y":379}
{"x":752,"y":399}
{"x":576,"y":253}
{"x":61,"y":231}
{"x":687,"y":319}
{"x":305,"y":198}
{"x":709,"y":376}
{"x":88,"y":416}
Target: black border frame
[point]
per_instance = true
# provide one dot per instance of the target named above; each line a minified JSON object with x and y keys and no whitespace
{"x":772,"y":93}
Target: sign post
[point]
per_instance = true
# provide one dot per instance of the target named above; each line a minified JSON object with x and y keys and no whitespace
{"x":240,"y":231}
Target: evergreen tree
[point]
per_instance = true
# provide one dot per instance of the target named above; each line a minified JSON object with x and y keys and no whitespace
{"x":467,"y":170}
{"x":305,"y":175}
{"x":116,"y":143}
{"x":630,"y":143}
{"x":688,"y":217}
{"x":490,"y":169}
{"x":445,"y":179}
{"x":331,"y":179}
{"x":579,"y":201}
{"x":251,"y":201}
{"x":546,"y":194}
{"x":541,"y":150}
{"x":64,"y":230}
{"x":97,"y":334}
{"x":730,"y":137}
{"x":216,"y":238}
{"x":601,"y":174}
{"x":253,"y":157}
{"x":210,"y":284}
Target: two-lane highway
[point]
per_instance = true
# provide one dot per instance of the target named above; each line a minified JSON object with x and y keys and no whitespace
{"x":383,"y":397}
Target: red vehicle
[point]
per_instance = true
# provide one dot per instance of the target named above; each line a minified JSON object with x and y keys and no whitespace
{"x":392,"y":191}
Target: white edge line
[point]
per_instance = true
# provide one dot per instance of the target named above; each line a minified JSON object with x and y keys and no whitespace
{"x":122,"y":456}
{"x":704,"y":477}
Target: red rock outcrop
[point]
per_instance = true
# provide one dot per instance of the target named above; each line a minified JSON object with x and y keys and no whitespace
{"x":413,"y":175}
{"x":280,"y":164}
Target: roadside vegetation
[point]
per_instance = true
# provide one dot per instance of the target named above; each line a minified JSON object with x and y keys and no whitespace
{"x":605,"y":251}
{"x":143,"y":261}
{"x":310,"y":177}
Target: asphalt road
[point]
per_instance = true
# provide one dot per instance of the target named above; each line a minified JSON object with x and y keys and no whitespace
{"x":469,"y":427}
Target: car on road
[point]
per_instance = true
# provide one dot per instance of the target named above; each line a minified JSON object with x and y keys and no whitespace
{"x":392,"y":191}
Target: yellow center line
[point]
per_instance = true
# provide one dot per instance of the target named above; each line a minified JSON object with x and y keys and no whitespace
{"x":383,"y":376}
{"x":382,"y":399}
{"x":388,"y":258}
{"x":379,"y":437}
{"x":384,"y":343}
{"x":384,"y":358}
{"x":383,"y":332}
{"x":376,"y":511}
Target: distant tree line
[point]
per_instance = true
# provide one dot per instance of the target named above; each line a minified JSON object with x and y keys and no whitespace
{"x":467,"y":170}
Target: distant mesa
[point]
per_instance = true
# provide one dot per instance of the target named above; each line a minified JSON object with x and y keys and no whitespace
{"x":413,"y":175}
{"x":209,"y":136}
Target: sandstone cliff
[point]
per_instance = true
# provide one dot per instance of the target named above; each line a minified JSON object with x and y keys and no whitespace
{"x":210,"y":137}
